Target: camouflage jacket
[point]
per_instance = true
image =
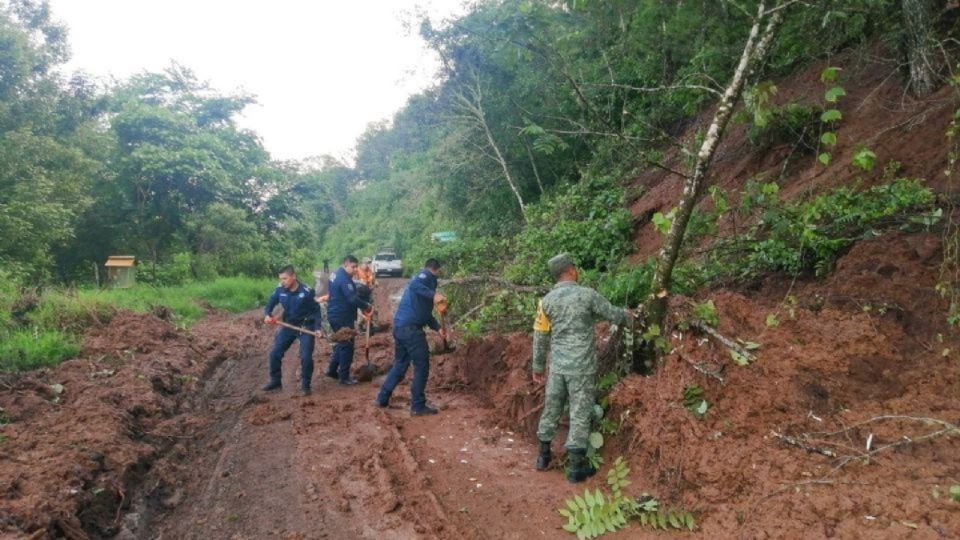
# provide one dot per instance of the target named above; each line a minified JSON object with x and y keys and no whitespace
{"x":565,"y":319}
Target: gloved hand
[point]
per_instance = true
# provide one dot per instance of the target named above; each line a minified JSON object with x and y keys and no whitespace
{"x":367,"y":313}
{"x":270,"y":319}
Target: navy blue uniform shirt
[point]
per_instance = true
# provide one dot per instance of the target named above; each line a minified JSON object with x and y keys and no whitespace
{"x":299,"y":305}
{"x":416,"y":305}
{"x":344,"y":302}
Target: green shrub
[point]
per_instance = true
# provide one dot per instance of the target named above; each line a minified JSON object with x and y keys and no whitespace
{"x":462,"y":257}
{"x":23,"y":350}
{"x":791,"y":124}
{"x":808,"y":236}
{"x":624,"y":285}
{"x":588,"y":221}
{"x":235,"y":294}
{"x":70,"y":311}
{"x":508,"y":311}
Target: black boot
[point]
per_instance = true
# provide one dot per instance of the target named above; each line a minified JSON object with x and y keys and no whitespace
{"x":579,"y":468}
{"x":543,"y":460}
{"x":271,"y":386}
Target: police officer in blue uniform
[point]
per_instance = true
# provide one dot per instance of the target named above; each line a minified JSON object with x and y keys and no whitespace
{"x":410,"y":342}
{"x":300,"y":308}
{"x":342,"y":311}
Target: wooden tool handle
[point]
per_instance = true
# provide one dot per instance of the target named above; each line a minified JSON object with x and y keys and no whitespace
{"x":299,"y":328}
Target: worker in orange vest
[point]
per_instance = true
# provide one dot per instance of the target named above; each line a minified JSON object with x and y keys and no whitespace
{"x":366,"y":275}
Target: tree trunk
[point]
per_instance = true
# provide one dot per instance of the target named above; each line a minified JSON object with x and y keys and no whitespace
{"x":473,"y":105}
{"x":920,"y":43}
{"x":753,"y":52}
{"x":533,"y":163}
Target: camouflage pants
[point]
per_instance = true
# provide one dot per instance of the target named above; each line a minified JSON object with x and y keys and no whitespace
{"x":578,"y":391}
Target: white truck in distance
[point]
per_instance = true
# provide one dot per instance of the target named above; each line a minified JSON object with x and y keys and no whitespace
{"x":387,"y":263}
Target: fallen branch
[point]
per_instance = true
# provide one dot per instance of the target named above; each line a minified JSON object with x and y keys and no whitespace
{"x":727,"y":342}
{"x":531,"y":412}
{"x":502,"y":283}
{"x":701,"y":367}
{"x":479,"y":306}
{"x":793,"y":441}
{"x":947,"y":429}
{"x":903,"y":441}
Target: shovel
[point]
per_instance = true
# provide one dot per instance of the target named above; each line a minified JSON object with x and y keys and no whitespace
{"x":369,"y":371}
{"x":299,"y":329}
{"x":344,"y":334}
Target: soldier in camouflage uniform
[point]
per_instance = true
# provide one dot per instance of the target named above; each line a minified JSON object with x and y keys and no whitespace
{"x":564,"y":323}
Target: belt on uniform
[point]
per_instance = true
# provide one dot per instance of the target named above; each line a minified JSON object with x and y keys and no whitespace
{"x":410,"y":327}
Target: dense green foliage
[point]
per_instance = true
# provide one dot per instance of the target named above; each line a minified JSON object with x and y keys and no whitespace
{"x":548,"y":103}
{"x":542,"y":113}
{"x":154,"y":167}
{"x":808,"y":236}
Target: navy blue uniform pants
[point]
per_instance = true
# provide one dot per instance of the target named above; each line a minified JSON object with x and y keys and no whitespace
{"x":342,"y":356}
{"x":281,"y":342}
{"x":410,"y":346}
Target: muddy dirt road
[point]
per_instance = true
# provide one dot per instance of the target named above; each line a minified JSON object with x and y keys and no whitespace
{"x":156,"y":432}
{"x":333,"y":465}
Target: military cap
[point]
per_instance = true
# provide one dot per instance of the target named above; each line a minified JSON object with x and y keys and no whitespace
{"x":559,"y":263}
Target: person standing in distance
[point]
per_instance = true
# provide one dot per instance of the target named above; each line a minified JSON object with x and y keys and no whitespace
{"x":300,"y":308}
{"x":342,"y":310}
{"x":410,"y":342}
{"x":565,"y":323}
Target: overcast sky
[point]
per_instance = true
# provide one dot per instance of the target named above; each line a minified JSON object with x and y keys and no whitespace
{"x":321,"y":70}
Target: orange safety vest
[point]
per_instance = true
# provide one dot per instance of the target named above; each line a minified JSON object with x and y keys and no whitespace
{"x":367,"y":276}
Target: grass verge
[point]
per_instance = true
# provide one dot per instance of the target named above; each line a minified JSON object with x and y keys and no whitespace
{"x":50,"y":332}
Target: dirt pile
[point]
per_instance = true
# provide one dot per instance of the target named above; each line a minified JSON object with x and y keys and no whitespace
{"x":869,"y":344}
{"x":861,"y":346}
{"x":81,"y":435}
{"x":495,"y":369}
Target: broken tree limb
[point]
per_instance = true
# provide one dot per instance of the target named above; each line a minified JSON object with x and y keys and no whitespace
{"x":727,"y":342}
{"x":701,"y":367}
{"x":500,"y":282}
{"x":531,"y":412}
{"x":946,"y":429}
{"x":793,"y":441}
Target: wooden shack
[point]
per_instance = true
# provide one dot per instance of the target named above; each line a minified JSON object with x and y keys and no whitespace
{"x":121,"y":271}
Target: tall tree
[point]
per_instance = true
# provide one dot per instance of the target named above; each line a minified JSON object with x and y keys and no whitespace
{"x":920,"y":45}
{"x":765,"y":26}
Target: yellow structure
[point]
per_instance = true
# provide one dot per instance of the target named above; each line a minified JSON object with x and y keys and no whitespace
{"x":121,"y":271}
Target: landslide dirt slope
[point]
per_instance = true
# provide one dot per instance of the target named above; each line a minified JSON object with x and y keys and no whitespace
{"x":869,"y":341}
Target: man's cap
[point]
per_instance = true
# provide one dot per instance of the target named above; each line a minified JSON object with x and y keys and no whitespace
{"x":559,"y":263}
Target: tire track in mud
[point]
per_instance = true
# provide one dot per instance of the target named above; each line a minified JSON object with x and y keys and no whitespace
{"x":332,"y":465}
{"x":325,"y":466}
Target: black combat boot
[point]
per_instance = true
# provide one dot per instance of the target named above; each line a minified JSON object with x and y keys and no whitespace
{"x":543,"y":460}
{"x":271,"y":386}
{"x":579,"y":468}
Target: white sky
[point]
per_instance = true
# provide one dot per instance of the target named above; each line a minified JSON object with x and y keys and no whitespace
{"x":321,"y":70}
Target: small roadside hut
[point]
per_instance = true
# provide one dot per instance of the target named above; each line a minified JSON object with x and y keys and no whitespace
{"x":121,"y":271}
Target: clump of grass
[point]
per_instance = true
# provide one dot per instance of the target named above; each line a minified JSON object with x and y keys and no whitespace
{"x":23,"y":350}
{"x":52,"y":329}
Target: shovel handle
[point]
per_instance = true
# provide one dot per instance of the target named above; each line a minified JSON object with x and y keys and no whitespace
{"x":299,"y":328}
